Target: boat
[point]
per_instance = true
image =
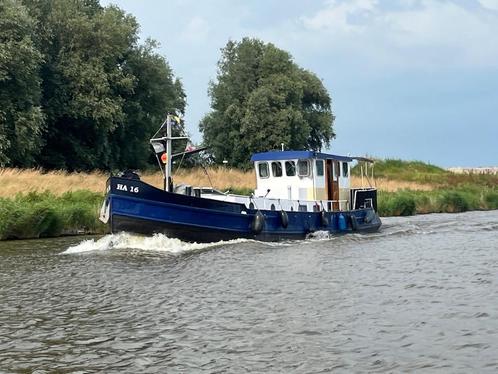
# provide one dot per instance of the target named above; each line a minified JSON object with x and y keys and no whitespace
{"x":298,"y":194}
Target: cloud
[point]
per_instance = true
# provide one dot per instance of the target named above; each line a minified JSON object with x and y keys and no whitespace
{"x":489,"y":4}
{"x":196,"y":30}
{"x":342,"y":17}
{"x":414,"y":33}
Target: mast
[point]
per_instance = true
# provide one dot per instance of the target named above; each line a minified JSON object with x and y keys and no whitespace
{"x":164,"y":146}
{"x":167,"y":167}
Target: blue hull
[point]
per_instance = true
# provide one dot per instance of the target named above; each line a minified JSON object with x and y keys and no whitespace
{"x":135,"y":206}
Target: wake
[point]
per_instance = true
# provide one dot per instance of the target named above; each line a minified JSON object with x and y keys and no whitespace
{"x":157,"y":242}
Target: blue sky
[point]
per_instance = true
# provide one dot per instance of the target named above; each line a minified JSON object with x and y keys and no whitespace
{"x":410,"y":79}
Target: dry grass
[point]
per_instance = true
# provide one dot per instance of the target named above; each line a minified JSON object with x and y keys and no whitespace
{"x":221,"y":178}
{"x":391,"y":185}
{"x":13,"y":181}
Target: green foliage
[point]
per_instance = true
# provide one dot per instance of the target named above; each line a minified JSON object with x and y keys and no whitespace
{"x":35,"y":215}
{"x":420,"y":172}
{"x":415,"y":171}
{"x":491,"y":199}
{"x":456,"y":201}
{"x":450,"y":200}
{"x":21,"y":117}
{"x":155,"y":92}
{"x":392,"y":166}
{"x":261,"y":99}
{"x":77,"y":90}
{"x":396,"y":204}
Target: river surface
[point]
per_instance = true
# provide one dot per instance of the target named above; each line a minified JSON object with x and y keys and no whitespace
{"x":420,"y":295}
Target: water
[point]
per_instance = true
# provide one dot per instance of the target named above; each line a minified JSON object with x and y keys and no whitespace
{"x":422,"y":295}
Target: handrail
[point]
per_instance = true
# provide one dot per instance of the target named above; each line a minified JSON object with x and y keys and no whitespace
{"x":266,"y":203}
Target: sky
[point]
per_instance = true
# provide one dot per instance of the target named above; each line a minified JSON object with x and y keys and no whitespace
{"x":409,"y":79}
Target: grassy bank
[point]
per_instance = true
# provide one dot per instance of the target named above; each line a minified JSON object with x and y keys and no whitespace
{"x":35,"y":204}
{"x":35,"y":215}
{"x":423,"y":174}
{"x":448,"y":192}
{"x":442,"y":200}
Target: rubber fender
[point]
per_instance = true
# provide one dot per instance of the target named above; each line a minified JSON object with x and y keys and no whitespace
{"x":258,"y":222}
{"x":323,"y":218}
{"x":284,"y":219}
{"x":370,"y":216}
{"x":354,"y":222}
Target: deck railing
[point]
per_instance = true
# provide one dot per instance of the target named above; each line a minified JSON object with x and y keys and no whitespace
{"x":265,"y":203}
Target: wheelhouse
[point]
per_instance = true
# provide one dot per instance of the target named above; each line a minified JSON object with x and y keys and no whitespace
{"x":304,"y":176}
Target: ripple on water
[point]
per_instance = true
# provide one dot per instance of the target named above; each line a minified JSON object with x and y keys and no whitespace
{"x":420,"y":295}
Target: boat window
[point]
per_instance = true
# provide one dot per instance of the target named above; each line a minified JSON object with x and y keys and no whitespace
{"x":319,"y":168}
{"x":345,"y":169}
{"x":290,"y":168}
{"x":263,"y":170}
{"x":276,"y":169}
{"x":303,"y":168}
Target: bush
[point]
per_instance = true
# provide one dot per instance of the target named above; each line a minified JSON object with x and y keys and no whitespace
{"x":453,"y":202}
{"x":397,"y":204}
{"x":35,"y":215}
{"x":491,"y":199}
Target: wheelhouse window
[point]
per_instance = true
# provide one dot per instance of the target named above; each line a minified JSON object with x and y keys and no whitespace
{"x":303,"y":168}
{"x":276,"y":169}
{"x":290,"y":168}
{"x":319,"y":168}
{"x":345,"y":169}
{"x":263,"y":170}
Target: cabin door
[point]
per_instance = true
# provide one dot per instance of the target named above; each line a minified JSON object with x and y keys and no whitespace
{"x":329,"y":182}
{"x":333,"y":183}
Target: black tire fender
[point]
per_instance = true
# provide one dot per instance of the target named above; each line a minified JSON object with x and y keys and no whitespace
{"x":258,"y":222}
{"x":284,"y":219}
{"x":324,"y":220}
{"x":354,"y":222}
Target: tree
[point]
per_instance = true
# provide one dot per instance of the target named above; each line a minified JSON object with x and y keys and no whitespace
{"x":155,"y":93}
{"x":261,"y":99}
{"x":21,"y":117}
{"x":84,"y":46}
{"x":78,"y":91}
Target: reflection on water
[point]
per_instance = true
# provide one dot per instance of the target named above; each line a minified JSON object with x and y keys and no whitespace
{"x":419,"y":295}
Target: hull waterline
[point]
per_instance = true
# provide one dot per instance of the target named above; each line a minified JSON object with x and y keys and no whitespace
{"x":137,"y":207}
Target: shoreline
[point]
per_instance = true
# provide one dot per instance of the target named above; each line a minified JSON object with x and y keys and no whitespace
{"x":45,"y":215}
{"x":102,"y":233}
{"x":35,"y":203}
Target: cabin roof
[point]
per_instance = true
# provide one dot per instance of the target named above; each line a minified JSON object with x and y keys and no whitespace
{"x":292,"y":155}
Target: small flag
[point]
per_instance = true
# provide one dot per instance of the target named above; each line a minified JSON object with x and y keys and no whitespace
{"x":176,"y":119}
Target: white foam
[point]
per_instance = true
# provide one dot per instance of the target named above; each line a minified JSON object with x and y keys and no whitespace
{"x":318,"y":235}
{"x":157,"y":242}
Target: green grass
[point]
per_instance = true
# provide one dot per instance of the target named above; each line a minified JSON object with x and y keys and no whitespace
{"x":420,"y":172}
{"x":36,"y":215}
{"x":416,"y":171}
{"x":400,"y":168}
{"x":451,"y":200}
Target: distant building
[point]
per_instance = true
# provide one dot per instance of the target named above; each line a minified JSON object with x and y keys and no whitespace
{"x":479,"y":170}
